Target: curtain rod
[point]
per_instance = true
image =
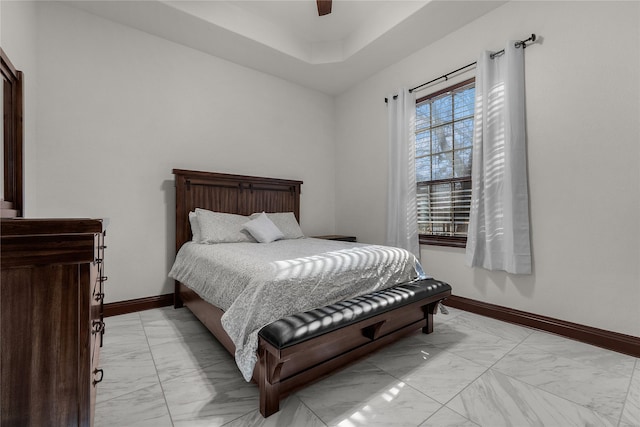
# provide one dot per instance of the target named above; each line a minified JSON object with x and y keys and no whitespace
{"x":522,"y":43}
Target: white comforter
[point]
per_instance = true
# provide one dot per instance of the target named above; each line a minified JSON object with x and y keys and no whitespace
{"x":258,"y":283}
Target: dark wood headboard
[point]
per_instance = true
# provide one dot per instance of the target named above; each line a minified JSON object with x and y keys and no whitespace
{"x":237,"y":194}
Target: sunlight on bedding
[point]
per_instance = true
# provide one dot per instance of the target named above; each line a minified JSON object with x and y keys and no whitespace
{"x":256,"y":284}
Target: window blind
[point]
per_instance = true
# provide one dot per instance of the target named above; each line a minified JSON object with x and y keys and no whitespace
{"x":443,"y":207}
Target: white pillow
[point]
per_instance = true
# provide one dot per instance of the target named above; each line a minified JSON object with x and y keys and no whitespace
{"x":195,"y":227}
{"x":263,"y":229}
{"x":286,"y":222}
{"x":218,"y":227}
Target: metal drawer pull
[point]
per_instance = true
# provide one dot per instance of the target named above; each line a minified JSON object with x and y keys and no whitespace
{"x":98,"y":261}
{"x":97,"y":326}
{"x":98,"y":371}
{"x":100,"y":296}
{"x":102,"y":247}
{"x":104,"y":278}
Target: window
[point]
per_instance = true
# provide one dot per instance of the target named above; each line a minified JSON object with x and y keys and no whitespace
{"x":444,"y":135}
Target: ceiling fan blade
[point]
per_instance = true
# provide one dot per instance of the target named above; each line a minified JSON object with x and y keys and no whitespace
{"x":324,"y":7}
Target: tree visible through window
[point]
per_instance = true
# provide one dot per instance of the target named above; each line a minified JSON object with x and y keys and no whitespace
{"x":444,"y":136}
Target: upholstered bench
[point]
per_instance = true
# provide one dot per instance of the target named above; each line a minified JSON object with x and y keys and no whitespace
{"x":305,"y":346}
{"x":300,"y":327}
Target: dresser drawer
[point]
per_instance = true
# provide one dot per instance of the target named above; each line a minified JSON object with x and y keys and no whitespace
{"x":97,"y":332}
{"x":97,"y":300}
{"x":99,"y":250}
{"x":95,"y":351}
{"x":97,"y":294}
{"x":97,"y":319}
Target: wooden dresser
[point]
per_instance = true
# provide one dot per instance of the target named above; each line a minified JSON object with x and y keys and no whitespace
{"x":51,"y":324}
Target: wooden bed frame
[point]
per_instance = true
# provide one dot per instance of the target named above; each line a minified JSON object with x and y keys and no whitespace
{"x":281,"y":371}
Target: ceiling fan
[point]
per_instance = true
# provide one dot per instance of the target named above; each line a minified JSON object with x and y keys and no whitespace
{"x":324,"y":7}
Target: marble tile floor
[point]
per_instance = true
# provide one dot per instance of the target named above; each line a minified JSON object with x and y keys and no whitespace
{"x":163,"y":368}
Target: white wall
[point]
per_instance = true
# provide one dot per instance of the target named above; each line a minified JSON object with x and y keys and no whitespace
{"x":113,"y":110}
{"x":118,"y":109}
{"x":583,"y":99}
{"x":18,"y":40}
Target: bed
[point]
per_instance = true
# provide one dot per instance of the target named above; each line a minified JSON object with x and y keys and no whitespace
{"x":300,"y":348}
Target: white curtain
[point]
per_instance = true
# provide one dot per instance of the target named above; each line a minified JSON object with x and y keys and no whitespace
{"x":402,"y":217}
{"x":498,"y":236}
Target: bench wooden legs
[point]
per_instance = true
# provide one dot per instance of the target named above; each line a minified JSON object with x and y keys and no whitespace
{"x":429,"y":311}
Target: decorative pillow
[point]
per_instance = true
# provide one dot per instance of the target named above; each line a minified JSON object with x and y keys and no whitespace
{"x":195,"y":227}
{"x":218,"y":227}
{"x":263,"y":229}
{"x":286,"y":222}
